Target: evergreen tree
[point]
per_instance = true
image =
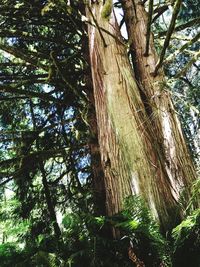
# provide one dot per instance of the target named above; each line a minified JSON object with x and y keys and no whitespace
{"x":87,"y":124}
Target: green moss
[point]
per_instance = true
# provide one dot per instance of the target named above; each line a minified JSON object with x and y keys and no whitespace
{"x":107,"y":9}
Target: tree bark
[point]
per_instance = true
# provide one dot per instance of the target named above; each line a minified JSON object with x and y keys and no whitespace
{"x":133,"y":152}
{"x":98,"y":179}
{"x":158,"y":103}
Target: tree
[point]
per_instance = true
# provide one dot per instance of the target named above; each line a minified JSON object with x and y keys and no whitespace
{"x":37,"y":106}
{"x":142,"y":146}
{"x":87,"y":121}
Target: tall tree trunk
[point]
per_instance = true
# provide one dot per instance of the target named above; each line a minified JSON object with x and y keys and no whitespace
{"x":98,"y":179}
{"x":131,"y":156}
{"x":158,"y":104}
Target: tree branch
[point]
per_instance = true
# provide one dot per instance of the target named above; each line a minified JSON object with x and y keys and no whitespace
{"x":12,"y":98}
{"x":6,"y":181}
{"x":185,"y":46}
{"x":148,"y":33}
{"x":143,"y":2}
{"x":33,"y":60}
{"x":109,"y":33}
{"x":12,"y":89}
{"x":38,"y":131}
{"x":183,"y":26}
{"x":27,"y":35}
{"x":196,"y":66}
{"x":159,"y":11}
{"x":44,"y":154}
{"x":22,"y":77}
{"x":187,"y":82}
{"x":63,"y":76}
{"x":168,"y":36}
{"x":188,"y":65}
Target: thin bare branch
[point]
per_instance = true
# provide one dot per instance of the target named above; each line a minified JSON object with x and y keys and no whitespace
{"x":187,"y":81}
{"x":20,"y":76}
{"x":13,"y":89}
{"x":6,"y":181}
{"x":185,"y":46}
{"x":43,"y":154}
{"x":148,"y":33}
{"x":188,"y":65}
{"x":25,"y":56}
{"x":183,"y":26}
{"x":27,"y":35}
{"x":143,"y":2}
{"x":38,"y":131}
{"x":159,"y":11}
{"x":107,"y":32}
{"x":196,"y":66}
{"x":168,"y":36}
{"x":62,"y":74}
{"x":12,"y":99}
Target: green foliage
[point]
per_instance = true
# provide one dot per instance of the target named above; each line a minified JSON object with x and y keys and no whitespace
{"x":192,"y":204}
{"x":43,"y":121}
{"x":85,"y":241}
{"x":90,"y":242}
{"x":9,"y":253}
{"x":195,"y":196}
{"x":107,"y":9}
{"x":147,"y":239}
{"x":186,"y":241}
{"x":44,"y":259}
{"x":42,"y":160}
{"x":71,"y":221}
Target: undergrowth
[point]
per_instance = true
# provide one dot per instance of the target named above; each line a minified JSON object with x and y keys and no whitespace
{"x":86,"y":242}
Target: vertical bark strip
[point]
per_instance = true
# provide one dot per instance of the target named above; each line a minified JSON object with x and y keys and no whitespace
{"x":162,"y":116}
{"x":98,"y":179}
{"x":133,"y":156}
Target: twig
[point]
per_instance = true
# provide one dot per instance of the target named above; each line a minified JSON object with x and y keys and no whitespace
{"x":159,"y":11}
{"x":6,"y":181}
{"x":196,"y":66}
{"x":185,"y":46}
{"x":13,"y":90}
{"x":188,"y":65}
{"x":182,"y":26}
{"x":143,"y":2}
{"x":43,"y":154}
{"x":63,"y":76}
{"x":24,"y":55}
{"x":168,"y":36}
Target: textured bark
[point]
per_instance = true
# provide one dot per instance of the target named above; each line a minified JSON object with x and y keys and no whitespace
{"x":136,"y":153}
{"x":98,"y":179}
{"x":162,"y":116}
